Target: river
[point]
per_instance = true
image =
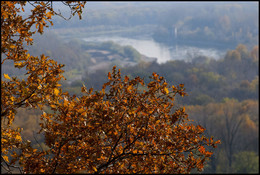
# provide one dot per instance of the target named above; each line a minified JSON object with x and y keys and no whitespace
{"x":163,"y":53}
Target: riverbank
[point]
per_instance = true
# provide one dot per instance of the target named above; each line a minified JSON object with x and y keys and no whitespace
{"x":150,"y":48}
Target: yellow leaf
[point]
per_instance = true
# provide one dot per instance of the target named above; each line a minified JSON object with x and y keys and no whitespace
{"x":12,"y":98}
{"x":12,"y":46}
{"x":18,"y":64}
{"x":7,"y":76}
{"x":81,"y":110}
{"x":5,"y":158}
{"x":17,"y":137}
{"x":126,"y":78}
{"x":166,"y":90}
{"x":53,"y":106}
{"x":135,"y":151}
{"x":201,"y":149}
{"x":47,"y":97}
{"x":4,"y":140}
{"x":162,"y":158}
{"x":48,"y":15}
{"x":66,"y":101}
{"x":109,"y":76}
{"x":39,"y":87}
{"x":129,"y":88}
{"x":155,"y":168}
{"x":44,"y":114}
{"x":95,"y":169}
{"x":90,"y":90}
{"x":56,"y":91}
{"x":40,"y":29}
{"x":155,"y":75}
{"x":30,"y":39}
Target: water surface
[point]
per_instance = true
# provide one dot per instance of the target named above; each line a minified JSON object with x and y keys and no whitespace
{"x":162,"y":52}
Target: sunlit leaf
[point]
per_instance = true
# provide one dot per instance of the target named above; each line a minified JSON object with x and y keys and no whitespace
{"x":49,"y":14}
{"x":56,"y":91}
{"x":7,"y":76}
{"x":166,"y":90}
{"x":109,"y":76}
{"x":5,"y":158}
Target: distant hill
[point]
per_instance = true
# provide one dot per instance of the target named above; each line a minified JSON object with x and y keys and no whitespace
{"x":85,"y":57}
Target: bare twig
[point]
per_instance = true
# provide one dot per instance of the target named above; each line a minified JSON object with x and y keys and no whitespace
{"x":8,"y":167}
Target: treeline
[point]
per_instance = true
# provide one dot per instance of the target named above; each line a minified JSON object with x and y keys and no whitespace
{"x":206,"y":80}
{"x":219,"y":25}
{"x":216,"y":24}
{"x":116,"y":14}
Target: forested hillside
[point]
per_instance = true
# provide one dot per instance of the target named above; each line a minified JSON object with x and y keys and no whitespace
{"x":205,"y":79}
{"x":221,"y":90}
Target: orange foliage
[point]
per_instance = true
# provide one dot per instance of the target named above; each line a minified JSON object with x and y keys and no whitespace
{"x":120,"y":129}
{"x":117,"y":130}
{"x":42,"y":74}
